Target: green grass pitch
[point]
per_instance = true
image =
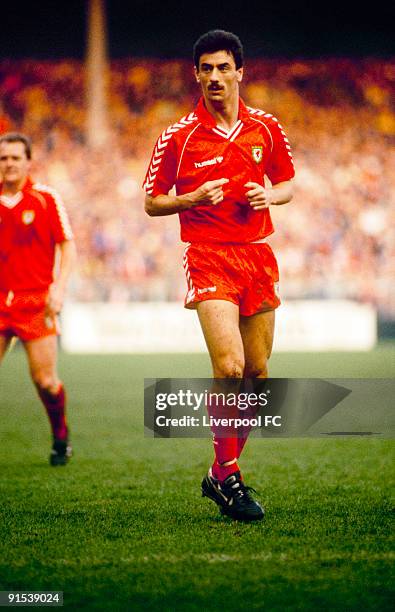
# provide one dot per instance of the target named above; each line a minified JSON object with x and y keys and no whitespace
{"x":123,"y":527}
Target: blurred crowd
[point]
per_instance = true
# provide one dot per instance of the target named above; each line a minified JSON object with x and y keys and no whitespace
{"x":335,"y":240}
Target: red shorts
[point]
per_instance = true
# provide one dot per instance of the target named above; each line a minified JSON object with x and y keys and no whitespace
{"x":23,"y":314}
{"x":245,"y":274}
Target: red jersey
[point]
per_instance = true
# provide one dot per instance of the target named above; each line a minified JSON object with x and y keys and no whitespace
{"x":32,"y":222}
{"x":195,"y":150}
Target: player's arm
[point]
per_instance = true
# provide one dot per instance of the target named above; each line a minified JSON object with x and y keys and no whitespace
{"x":210,"y":194}
{"x":58,"y":288}
{"x":261,"y":197}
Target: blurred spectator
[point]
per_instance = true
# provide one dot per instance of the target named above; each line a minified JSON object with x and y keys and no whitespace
{"x":5,"y":123}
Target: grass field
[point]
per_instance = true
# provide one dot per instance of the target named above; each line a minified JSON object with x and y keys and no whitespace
{"x":123,"y":527}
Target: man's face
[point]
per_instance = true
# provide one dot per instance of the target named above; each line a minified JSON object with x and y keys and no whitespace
{"x":218,"y":76}
{"x":14,"y":165}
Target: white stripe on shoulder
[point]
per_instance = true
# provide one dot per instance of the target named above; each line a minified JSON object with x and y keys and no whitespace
{"x":62,"y":214}
{"x":160,"y":148}
{"x":267,"y":129}
{"x":262,"y":114}
{"x":257,"y":111}
{"x":183,"y":148}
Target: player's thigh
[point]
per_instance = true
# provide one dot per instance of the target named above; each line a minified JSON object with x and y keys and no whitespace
{"x":42,"y":358}
{"x":219,"y":320}
{"x":4,"y":344}
{"x":257,"y":333}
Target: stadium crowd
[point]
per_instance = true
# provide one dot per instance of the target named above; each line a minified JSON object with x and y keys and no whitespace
{"x":337,"y":237}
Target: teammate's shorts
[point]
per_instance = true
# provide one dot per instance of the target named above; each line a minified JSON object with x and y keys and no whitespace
{"x":245,"y":274}
{"x":23,"y":314}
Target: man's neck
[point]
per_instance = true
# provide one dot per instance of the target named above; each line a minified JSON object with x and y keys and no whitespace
{"x":10,"y":189}
{"x":224,"y":114}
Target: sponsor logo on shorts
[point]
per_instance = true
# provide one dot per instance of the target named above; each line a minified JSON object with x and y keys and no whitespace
{"x":28,"y":217}
{"x":257,"y":153}
{"x":210,"y":162}
{"x":9,"y":299}
{"x":207,"y":290}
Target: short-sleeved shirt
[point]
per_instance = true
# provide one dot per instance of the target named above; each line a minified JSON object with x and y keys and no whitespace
{"x":195,"y":150}
{"x":32,"y":222}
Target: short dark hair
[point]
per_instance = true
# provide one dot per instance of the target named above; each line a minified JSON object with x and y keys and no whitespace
{"x":18,"y":137}
{"x":218,"y":40}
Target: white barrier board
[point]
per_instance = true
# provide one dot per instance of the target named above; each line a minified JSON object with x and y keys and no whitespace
{"x":316,"y":325}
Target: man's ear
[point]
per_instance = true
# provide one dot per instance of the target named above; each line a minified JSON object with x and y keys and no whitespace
{"x":240,"y":75}
{"x":196,"y":74}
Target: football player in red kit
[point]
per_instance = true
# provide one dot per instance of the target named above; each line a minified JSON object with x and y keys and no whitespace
{"x":229,"y":164}
{"x":33,"y":226}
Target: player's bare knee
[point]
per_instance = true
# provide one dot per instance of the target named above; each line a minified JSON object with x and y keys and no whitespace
{"x":256,"y":371}
{"x":45,"y":382}
{"x":229,"y":368}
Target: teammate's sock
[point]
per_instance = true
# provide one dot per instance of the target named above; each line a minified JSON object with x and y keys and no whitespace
{"x":55,"y":406}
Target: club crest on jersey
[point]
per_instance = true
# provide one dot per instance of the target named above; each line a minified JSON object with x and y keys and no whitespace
{"x":28,"y":217}
{"x":257,"y":154}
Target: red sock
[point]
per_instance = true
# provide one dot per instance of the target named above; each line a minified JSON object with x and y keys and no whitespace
{"x":225,"y":451}
{"x":55,"y":407}
{"x":221,"y":472}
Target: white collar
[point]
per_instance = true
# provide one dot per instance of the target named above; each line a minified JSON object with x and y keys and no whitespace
{"x":11,"y":201}
{"x":229,"y":134}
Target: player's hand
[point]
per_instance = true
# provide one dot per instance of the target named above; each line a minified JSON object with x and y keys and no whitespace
{"x":210,"y":192}
{"x":258,"y":197}
{"x":54,"y":300}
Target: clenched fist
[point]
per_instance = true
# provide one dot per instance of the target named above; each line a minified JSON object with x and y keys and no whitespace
{"x":210,"y":192}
